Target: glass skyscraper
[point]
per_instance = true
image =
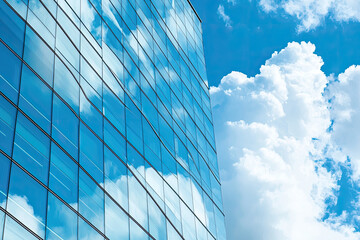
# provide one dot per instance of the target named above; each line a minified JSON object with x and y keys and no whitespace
{"x":105,"y":122}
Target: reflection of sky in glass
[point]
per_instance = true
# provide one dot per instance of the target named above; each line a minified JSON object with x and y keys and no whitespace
{"x":161,"y":95}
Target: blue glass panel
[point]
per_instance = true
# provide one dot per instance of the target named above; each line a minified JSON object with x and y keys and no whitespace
{"x":114,"y":140}
{"x":150,"y":111}
{"x":39,"y":56}
{"x":166,"y":134}
{"x":61,"y":221}
{"x":210,"y":218}
{"x":136,"y":233}
{"x":135,"y":160}
{"x":31,"y":148}
{"x":10,"y":67}
{"x":151,"y":140}
{"x":114,"y":110}
{"x":138,"y":202}
{"x":35,"y":99}
{"x":7,"y":125}
{"x":91,"y":154}
{"x":4,"y":179}
{"x":91,"y":202}
{"x":87,"y":232}
{"x":65,"y":129}
{"x":92,"y":78}
{"x":11,"y":28}
{"x":27,"y":200}
{"x":157,"y":224}
{"x":133,"y":124}
{"x":91,"y":94}
{"x":2,"y":218}
{"x":92,"y":19}
{"x":91,"y":116}
{"x":171,"y":232}
{"x":66,"y":85}
{"x":13,"y":231}
{"x":117,"y":222}
{"x":116,"y":182}
{"x":67,"y":49}
{"x":63,"y":179}
{"x":188,"y":222}
{"x":220,"y":224}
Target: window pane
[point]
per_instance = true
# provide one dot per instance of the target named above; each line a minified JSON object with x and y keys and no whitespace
{"x":27,"y":200}
{"x":220,"y":224}
{"x":117,"y":222}
{"x":11,"y":28}
{"x":157,"y":224}
{"x":116,"y":179}
{"x":67,"y":49}
{"x":61,"y":221}
{"x":86,"y":232}
{"x":7,"y":125}
{"x":114,"y":110}
{"x":4,"y":179}
{"x":91,"y":201}
{"x":91,"y":19}
{"x":137,"y":202}
{"x":63,"y":176}
{"x":171,"y":232}
{"x":114,"y":140}
{"x":91,"y":116}
{"x":39,"y":56}
{"x":10,"y":67}
{"x":13,"y":231}
{"x":31,"y":148}
{"x":91,"y":154}
{"x":135,"y":161}
{"x":188,"y":222}
{"x":2,"y":218}
{"x":35,"y":98}
{"x":65,"y":84}
{"x":65,"y":127}
{"x":136,"y":233}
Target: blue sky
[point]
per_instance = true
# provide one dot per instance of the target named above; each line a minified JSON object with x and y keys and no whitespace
{"x":255,"y":35}
{"x":284,"y":87}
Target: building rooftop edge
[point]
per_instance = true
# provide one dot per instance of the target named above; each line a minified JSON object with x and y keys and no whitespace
{"x":194,"y":10}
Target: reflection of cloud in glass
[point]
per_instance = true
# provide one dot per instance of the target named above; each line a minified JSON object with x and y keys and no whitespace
{"x":91,"y":19}
{"x":20,"y":208}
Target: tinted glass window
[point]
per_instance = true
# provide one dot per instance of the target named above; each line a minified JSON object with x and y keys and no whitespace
{"x":116,"y":181}
{"x":35,"y":98}
{"x":39,"y":56}
{"x":63,"y":179}
{"x":66,"y":85}
{"x":4,"y":179}
{"x":11,"y":28}
{"x":13,"y":231}
{"x":10,"y":67}
{"x":7,"y":125}
{"x":91,"y":154}
{"x":91,"y":202}
{"x":27,"y":201}
{"x":61,"y":221}
{"x":65,"y":129}
{"x":31,"y":148}
{"x":117,"y":222}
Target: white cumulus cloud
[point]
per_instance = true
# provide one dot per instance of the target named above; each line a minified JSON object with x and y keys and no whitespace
{"x":311,"y":13}
{"x":273,"y":138}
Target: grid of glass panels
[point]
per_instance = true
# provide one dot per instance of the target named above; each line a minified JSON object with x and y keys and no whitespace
{"x":105,"y":122}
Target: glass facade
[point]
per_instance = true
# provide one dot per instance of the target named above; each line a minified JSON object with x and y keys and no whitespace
{"x":105,"y":122}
